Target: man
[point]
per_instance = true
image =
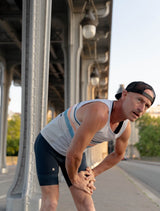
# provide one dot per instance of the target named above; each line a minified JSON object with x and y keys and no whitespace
{"x":64,"y":140}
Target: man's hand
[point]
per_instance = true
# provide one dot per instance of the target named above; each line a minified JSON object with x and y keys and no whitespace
{"x":84,"y":180}
{"x":90,"y":174}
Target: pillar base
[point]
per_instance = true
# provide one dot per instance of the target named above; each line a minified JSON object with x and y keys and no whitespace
{"x":19,"y":204}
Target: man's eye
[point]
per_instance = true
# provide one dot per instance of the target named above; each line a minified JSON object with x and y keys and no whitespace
{"x":147,"y":106}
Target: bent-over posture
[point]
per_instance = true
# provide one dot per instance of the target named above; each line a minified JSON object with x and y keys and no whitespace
{"x":63,"y":141}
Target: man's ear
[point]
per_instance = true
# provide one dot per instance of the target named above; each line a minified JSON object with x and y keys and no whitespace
{"x":124,"y":93}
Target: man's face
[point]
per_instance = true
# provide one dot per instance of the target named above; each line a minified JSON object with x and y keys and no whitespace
{"x":135,"y":105}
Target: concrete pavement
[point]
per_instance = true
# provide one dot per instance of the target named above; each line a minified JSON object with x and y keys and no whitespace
{"x":115,"y":191}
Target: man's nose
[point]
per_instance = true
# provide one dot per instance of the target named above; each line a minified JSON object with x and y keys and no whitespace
{"x":142,"y":107}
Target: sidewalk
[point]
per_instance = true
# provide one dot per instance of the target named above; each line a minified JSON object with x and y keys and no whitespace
{"x":115,"y":191}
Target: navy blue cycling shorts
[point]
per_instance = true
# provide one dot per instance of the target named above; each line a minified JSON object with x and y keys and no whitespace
{"x":48,"y":162}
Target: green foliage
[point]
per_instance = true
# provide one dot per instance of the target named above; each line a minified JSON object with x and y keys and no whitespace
{"x":13,"y":135}
{"x":149,"y":136}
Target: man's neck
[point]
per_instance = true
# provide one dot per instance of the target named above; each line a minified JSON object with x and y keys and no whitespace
{"x":117,"y":114}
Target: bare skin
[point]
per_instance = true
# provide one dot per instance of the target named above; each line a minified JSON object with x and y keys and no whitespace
{"x":93,"y":117}
{"x":50,"y":196}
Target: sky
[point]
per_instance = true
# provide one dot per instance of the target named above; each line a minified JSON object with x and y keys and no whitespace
{"x":135,"y":45}
{"x":135,"y":48}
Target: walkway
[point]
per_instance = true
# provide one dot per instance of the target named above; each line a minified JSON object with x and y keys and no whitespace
{"x":115,"y":191}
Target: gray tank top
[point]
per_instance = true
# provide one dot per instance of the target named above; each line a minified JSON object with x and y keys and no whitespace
{"x":60,"y":131}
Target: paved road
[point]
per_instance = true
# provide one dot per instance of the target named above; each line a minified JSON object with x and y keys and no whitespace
{"x":147,"y":173}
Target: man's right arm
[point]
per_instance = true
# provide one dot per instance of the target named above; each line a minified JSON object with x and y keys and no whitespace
{"x":94,"y":119}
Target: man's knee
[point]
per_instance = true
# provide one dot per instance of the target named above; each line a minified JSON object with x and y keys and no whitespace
{"x":82,"y":200}
{"x":50,"y":196}
{"x":49,"y":205}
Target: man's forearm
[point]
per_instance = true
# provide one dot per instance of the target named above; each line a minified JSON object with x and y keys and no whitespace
{"x":72,"y":165}
{"x":111,"y":160}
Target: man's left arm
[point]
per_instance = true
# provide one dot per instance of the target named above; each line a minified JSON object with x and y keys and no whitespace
{"x":116,"y":156}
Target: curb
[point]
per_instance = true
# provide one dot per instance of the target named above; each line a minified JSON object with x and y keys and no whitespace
{"x":141,"y":187}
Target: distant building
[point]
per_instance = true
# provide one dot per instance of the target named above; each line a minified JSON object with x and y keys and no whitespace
{"x":11,"y":113}
{"x":154,"y":111}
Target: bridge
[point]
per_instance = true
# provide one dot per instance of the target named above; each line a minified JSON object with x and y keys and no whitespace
{"x":43,"y":49}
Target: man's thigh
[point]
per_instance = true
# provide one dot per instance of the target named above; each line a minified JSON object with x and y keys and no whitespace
{"x":82,"y":167}
{"x":46,"y":163}
{"x":50,"y":192}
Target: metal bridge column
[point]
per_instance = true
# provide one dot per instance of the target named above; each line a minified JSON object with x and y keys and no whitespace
{"x":72,"y":48}
{"x":24,"y":193}
{"x":5,"y":82}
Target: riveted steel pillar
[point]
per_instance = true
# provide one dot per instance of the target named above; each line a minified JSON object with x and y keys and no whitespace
{"x":24,"y":193}
{"x":72,"y":52}
{"x":5,"y":82}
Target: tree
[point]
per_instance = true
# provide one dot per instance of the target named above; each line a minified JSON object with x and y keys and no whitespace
{"x":149,"y":136}
{"x":13,"y":135}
